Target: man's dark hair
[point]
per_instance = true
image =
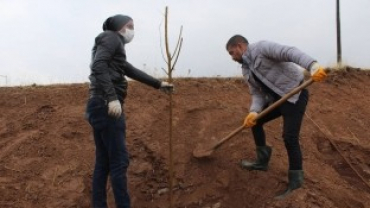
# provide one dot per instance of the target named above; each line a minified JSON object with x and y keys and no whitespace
{"x":233,"y":41}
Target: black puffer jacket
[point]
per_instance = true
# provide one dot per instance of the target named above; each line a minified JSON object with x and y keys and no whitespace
{"x":109,"y":68}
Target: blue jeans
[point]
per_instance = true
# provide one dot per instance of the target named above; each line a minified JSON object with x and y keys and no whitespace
{"x":111,"y":154}
{"x":292,"y":119}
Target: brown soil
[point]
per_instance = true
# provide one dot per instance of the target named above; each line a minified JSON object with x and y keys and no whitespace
{"x":47,"y":151}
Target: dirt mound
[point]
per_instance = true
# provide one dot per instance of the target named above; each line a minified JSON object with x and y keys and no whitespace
{"x":47,"y":151}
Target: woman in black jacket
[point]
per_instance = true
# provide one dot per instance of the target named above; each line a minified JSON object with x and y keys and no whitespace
{"x":108,"y":89}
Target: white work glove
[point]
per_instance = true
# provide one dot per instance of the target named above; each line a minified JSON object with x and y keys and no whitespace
{"x":114,"y":109}
{"x":166,"y":87}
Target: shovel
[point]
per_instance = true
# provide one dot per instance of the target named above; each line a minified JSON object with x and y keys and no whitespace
{"x":200,"y":152}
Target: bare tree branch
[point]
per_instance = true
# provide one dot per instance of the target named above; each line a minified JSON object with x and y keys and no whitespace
{"x":177,"y":54}
{"x":167,"y":45}
{"x":165,"y":71}
{"x":178,"y":43}
{"x":161,"y":43}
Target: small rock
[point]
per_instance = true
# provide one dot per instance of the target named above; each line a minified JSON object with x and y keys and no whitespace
{"x":141,"y":167}
{"x":162,"y":191}
{"x":223,"y":179}
{"x":314,"y":180}
{"x":217,"y":205}
{"x":200,"y":202}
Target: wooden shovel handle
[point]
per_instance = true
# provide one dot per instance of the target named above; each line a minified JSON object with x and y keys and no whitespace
{"x":267,"y":110}
{"x":284,"y":98}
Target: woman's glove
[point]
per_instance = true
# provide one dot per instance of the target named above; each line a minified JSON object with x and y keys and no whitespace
{"x":114,"y":109}
{"x":166,"y":87}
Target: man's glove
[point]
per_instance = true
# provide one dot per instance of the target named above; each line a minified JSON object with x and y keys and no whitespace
{"x":318,"y":73}
{"x":114,"y":109}
{"x":166,"y":87}
{"x":250,"y":120}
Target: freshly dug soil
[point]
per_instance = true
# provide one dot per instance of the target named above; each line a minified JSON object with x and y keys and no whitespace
{"x":47,"y":150}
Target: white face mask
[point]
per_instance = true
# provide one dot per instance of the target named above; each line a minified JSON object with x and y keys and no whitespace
{"x":128,"y":35}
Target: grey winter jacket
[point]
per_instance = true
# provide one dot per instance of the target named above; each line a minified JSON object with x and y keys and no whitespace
{"x":275,"y":66}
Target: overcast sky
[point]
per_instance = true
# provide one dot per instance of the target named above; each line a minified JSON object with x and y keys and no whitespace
{"x":50,"y":41}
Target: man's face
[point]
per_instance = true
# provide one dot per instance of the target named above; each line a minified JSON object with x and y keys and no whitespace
{"x":236,"y":52}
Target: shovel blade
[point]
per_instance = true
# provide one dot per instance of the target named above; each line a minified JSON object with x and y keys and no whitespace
{"x":201,"y":153}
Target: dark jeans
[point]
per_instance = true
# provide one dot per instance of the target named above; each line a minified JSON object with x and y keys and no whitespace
{"x":111,"y":154}
{"x":292,"y":117}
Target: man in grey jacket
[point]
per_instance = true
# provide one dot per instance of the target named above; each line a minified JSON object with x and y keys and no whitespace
{"x":271,"y":71}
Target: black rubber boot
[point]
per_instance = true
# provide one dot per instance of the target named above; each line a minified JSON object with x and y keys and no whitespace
{"x":295,"y":181}
{"x":262,"y":161}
